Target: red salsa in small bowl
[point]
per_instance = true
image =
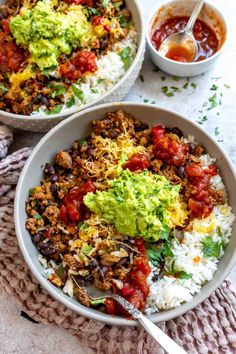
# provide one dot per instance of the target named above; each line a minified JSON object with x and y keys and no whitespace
{"x":205,"y":36}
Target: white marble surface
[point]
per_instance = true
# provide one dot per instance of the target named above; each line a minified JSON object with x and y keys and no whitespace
{"x":19,"y":336}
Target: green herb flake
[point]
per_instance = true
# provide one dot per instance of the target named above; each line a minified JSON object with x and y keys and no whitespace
{"x":97,"y":302}
{"x":86,"y":249}
{"x":227,"y":86}
{"x":92,"y":11}
{"x":70,"y":102}
{"x":216,"y":78}
{"x":213,"y":101}
{"x":105,"y":3}
{"x":3,"y":89}
{"x":58,"y":90}
{"x":218,"y":231}
{"x":31,"y":192}
{"x":141,"y":77}
{"x":163,"y":78}
{"x":125,"y":56}
{"x":217,"y":131}
{"x":156,"y":70}
{"x":56,"y":109}
{"x":214,"y":87}
{"x":37,"y":216}
{"x":179,"y":273}
{"x":175,"y":89}
{"x":164,"y":89}
{"x":83,"y":225}
{"x":61,"y":271}
{"x":175,"y":78}
{"x":185,"y":86}
{"x":145,"y":100}
{"x":158,"y":253}
{"x":194,"y":85}
{"x":184,"y":275}
{"x":170,"y":94}
{"x":211,"y":248}
{"x":93,"y":90}
{"x":78,"y":92}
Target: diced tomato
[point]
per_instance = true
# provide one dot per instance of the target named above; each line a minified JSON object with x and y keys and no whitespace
{"x":11,"y":56}
{"x":84,"y":61}
{"x":157,"y":132}
{"x":48,"y":233}
{"x":138,"y":162}
{"x":111,"y":306}
{"x":211,"y":170}
{"x":193,"y":170}
{"x":143,"y":265}
{"x":73,"y":212}
{"x":140,"y":245}
{"x":88,"y":187}
{"x":97,"y":20}
{"x":63,"y":214}
{"x":128,"y":289}
{"x":6,"y":25}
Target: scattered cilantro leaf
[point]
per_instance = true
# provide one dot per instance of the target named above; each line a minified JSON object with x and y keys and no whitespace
{"x":157,"y":253}
{"x":83,"y":142}
{"x":37,"y":216}
{"x":78,"y":92}
{"x":56,"y":109}
{"x":179,"y":273}
{"x":61,"y":271}
{"x":214,"y":87}
{"x":185,"y":86}
{"x":163,"y":78}
{"x":58,"y":90}
{"x":83,"y":225}
{"x":3,"y":88}
{"x":70,"y":102}
{"x":211,"y":248}
{"x":105,"y":3}
{"x":97,"y":302}
{"x":227,"y":86}
{"x":217,"y":131}
{"x":145,"y":100}
{"x":218,"y":231}
{"x":31,"y":192}
{"x":85,"y":249}
{"x":194,"y":85}
{"x":125,"y":56}
{"x":213,"y":101}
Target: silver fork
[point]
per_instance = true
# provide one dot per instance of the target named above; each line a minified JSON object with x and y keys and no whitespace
{"x":163,"y":339}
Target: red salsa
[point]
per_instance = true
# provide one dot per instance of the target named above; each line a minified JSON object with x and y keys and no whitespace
{"x":206,"y":39}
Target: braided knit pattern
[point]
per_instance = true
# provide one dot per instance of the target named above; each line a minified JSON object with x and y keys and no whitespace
{"x":208,"y":329}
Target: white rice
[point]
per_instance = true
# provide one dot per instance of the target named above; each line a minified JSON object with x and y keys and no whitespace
{"x":170,"y":292}
{"x":110,"y":70}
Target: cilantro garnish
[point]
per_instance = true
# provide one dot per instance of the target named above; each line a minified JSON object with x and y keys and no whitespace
{"x":56,"y":109}
{"x":211,"y":248}
{"x":78,"y":92}
{"x":58,"y":90}
{"x":70,"y":102}
{"x":125,"y":56}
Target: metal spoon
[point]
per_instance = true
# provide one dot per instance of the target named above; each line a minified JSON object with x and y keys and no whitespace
{"x":185,"y":38}
{"x":95,"y":295}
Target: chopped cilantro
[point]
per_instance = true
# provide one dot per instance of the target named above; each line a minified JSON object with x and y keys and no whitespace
{"x":163,"y":78}
{"x":58,"y":90}
{"x":175,"y":78}
{"x":56,"y":109}
{"x":83,"y":225}
{"x":105,"y":3}
{"x":70,"y":102}
{"x":169,"y":94}
{"x":83,"y":142}
{"x":31,"y":191}
{"x":141,"y":77}
{"x":97,"y":302}
{"x":61,"y":271}
{"x":37,"y":216}
{"x":156,"y":70}
{"x":217,"y":131}
{"x":125,"y":56}
{"x":211,"y":248}
{"x":185,"y":86}
{"x":213,"y":101}
{"x":124,"y":23}
{"x":157,"y":253}
{"x":179,"y":273}
{"x":78,"y":93}
{"x":92,"y":11}
{"x":175,"y":89}
{"x":218,"y":231}
{"x":202,"y":119}
{"x":145,"y":100}
{"x":214,"y":87}
{"x":216,"y":78}
{"x":3,"y":89}
{"x":227,"y":86}
{"x":93,"y":90}
{"x":194,"y":85}
{"x":85,"y":249}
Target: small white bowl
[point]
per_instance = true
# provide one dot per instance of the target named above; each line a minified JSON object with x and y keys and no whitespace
{"x":174,"y":8}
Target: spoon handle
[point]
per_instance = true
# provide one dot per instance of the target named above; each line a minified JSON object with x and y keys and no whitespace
{"x":163,"y":339}
{"x":193,"y":18}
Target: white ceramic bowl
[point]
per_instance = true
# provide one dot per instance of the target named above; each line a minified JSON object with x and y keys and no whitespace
{"x":116,"y":93}
{"x":77,"y":127}
{"x":173,"y":8}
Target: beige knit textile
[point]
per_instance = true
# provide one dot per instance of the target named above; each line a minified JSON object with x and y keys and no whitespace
{"x":208,"y":329}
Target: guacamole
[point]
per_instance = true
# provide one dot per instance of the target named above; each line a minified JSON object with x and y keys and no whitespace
{"x":138,"y":204}
{"x":48,"y":33}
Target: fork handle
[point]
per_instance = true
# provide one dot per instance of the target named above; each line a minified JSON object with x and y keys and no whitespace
{"x":163,"y":339}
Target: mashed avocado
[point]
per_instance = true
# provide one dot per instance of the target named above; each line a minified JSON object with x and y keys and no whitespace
{"x":48,"y":33}
{"x":141,"y":204}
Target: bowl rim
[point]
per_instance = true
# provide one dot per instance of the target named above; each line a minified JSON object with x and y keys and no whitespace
{"x":69,"y":112}
{"x":82,"y":310}
{"x":153,"y":14}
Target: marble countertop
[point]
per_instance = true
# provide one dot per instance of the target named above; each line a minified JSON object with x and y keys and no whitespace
{"x":17,"y":334}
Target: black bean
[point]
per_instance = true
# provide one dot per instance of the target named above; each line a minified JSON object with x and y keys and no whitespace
{"x":141,"y":127}
{"x":41,"y":245}
{"x":80,"y":280}
{"x":104,"y":270}
{"x":177,"y":132}
{"x":93,"y":264}
{"x":37,"y":237}
{"x":125,"y":248}
{"x":103,"y":43}
{"x":53,"y":178}
{"x":54,"y":189}
{"x":122,"y":262}
{"x":48,"y":251}
{"x":192,"y":147}
{"x":51,"y":170}
{"x":45,"y":101}
{"x":114,"y":134}
{"x":50,"y":202}
{"x":180,"y":171}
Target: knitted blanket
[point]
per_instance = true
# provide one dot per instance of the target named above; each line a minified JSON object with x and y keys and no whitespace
{"x":208,"y":329}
